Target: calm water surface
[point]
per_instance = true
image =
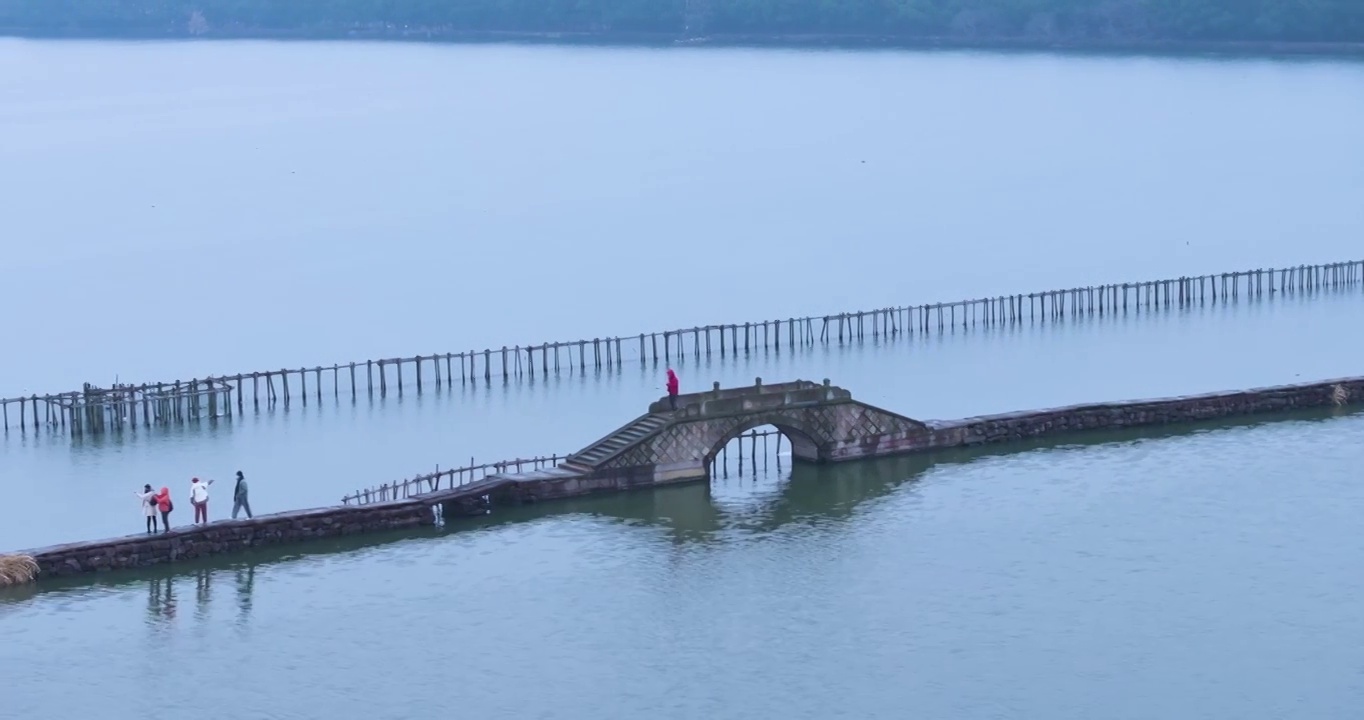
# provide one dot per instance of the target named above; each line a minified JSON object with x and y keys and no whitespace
{"x":310,"y":456}
{"x":183,"y":209}
{"x":1207,"y":575}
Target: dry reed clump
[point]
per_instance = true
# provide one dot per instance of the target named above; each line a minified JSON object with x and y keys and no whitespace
{"x":17,"y":570}
{"x":1340,"y":395}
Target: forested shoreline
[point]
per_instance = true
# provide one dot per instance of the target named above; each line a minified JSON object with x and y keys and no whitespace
{"x":1172,"y":23}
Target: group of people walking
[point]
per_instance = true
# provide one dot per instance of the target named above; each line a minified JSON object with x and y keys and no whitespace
{"x":158,"y":502}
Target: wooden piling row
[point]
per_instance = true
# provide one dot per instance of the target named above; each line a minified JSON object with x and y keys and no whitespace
{"x":521,"y":362}
{"x":719,"y":465}
{"x":94,"y":410}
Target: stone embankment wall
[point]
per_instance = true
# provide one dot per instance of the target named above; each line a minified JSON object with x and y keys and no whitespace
{"x":135,"y":551}
{"x":1014,"y":426}
{"x":1032,"y":424}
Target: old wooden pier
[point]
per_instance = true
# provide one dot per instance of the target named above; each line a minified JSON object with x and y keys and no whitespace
{"x":154,"y":403}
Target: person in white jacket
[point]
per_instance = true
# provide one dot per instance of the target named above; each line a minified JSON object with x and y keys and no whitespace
{"x":148,"y":506}
{"x":198,"y":497}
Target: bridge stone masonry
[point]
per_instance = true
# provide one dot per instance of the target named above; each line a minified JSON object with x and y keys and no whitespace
{"x":823,"y":423}
{"x":663,"y":446}
{"x":826,"y":425}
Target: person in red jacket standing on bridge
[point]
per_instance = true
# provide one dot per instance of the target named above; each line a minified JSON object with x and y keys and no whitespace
{"x":672,"y":389}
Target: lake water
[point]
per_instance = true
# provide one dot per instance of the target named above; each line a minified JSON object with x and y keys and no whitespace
{"x":259,"y":205}
{"x":184,"y":209}
{"x":311,"y":456}
{"x":1206,"y":575}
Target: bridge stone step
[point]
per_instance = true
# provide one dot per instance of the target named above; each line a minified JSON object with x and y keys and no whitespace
{"x":637,"y":430}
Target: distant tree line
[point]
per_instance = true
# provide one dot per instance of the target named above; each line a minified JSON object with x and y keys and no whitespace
{"x":1320,"y":21}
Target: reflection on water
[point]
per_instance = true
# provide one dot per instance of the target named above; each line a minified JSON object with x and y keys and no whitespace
{"x":973,"y":579}
{"x":203,"y":580}
{"x":161,"y":599}
{"x":778,"y":495}
{"x":246,"y":581}
{"x":770,"y":495}
{"x":162,"y":604}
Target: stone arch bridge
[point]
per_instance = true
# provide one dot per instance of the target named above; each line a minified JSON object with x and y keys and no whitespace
{"x":823,"y":423}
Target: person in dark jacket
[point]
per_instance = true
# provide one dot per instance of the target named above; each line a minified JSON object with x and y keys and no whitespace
{"x":672,"y":389}
{"x":239,"y":497}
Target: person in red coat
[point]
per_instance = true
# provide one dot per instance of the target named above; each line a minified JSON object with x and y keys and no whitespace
{"x":672,"y":389}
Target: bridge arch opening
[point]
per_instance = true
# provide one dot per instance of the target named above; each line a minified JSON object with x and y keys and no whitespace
{"x":760,"y":446}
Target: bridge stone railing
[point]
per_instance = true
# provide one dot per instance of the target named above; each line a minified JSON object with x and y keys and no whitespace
{"x":753,"y":398}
